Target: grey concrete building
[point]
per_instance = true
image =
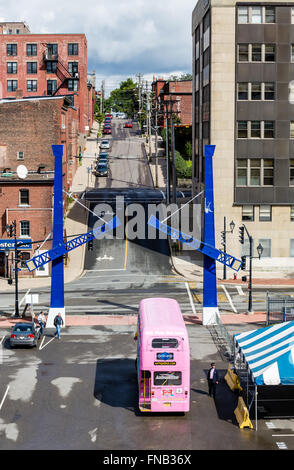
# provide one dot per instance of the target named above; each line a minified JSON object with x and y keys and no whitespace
{"x":243,"y":68}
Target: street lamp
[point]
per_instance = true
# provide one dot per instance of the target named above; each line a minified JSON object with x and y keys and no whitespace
{"x":224,"y":242}
{"x":259,"y":250}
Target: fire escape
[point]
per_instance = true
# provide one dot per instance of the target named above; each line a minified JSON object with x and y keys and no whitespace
{"x":59,"y":68}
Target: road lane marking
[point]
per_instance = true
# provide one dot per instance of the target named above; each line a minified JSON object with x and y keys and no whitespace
{"x":2,"y":340}
{"x":5,"y":394}
{"x":229,"y":298}
{"x":126,"y":254}
{"x":240,"y":291}
{"x":41,"y":345}
{"x":190,"y":297}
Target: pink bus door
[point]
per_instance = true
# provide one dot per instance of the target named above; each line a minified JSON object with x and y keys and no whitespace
{"x":145,"y":391}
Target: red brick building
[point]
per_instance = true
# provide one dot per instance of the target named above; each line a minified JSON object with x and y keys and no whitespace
{"x":47,"y":65}
{"x":28,"y":129}
{"x":179,"y":90}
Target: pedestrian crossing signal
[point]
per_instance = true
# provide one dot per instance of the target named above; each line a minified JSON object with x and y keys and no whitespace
{"x":243,"y":263}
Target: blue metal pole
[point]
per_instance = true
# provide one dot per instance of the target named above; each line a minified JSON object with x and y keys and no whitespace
{"x":210,"y":308}
{"x":57,"y":272}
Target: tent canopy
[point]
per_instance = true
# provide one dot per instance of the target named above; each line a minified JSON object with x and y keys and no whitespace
{"x":269,"y":353}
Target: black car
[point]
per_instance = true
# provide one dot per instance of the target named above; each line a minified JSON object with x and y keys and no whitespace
{"x":25,"y":334}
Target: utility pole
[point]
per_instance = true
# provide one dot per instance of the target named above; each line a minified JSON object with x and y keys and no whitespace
{"x":102,"y":96}
{"x":11,"y":230}
{"x":169,"y":115}
{"x":139,"y":76}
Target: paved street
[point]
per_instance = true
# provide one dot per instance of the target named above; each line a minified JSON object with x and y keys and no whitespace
{"x":81,"y":392}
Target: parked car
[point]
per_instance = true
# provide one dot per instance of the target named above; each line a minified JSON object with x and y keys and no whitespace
{"x":105,"y":144}
{"x":24,"y":334}
{"x":108,"y":115}
{"x":128,"y":124}
{"x":103,"y":155}
{"x":102,"y":169}
{"x":106,"y":130}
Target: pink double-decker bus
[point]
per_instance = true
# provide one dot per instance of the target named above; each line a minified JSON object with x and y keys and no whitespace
{"x":163,"y":357}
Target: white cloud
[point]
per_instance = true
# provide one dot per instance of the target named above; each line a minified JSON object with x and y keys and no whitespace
{"x":124,"y":36}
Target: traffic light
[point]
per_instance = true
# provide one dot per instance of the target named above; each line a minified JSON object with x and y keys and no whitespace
{"x":223,"y":238}
{"x":241,"y":234}
{"x":243,"y":263}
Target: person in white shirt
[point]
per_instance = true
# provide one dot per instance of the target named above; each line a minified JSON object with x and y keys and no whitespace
{"x":42,"y":322}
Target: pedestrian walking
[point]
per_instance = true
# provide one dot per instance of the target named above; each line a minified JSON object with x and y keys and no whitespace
{"x":58,"y":321}
{"x":213,"y":379}
{"x":42,"y":322}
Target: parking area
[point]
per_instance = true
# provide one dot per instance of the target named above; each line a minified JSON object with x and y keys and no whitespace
{"x":81,"y":393}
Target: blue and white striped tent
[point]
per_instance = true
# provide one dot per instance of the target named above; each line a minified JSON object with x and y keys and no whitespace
{"x":269,"y":353}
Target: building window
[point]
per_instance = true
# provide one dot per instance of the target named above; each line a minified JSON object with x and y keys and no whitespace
{"x":268,"y":171}
{"x":20,"y":155}
{"x":11,"y":49}
{"x":73,"y":49}
{"x":24,"y":228}
{"x":11,"y":85}
{"x":291,"y":129}
{"x":73,"y":85}
{"x":242,"y":91}
{"x":51,"y":86}
{"x":291,"y":166}
{"x":255,"y":172}
{"x":270,"y":15}
{"x":256,"y":52}
{"x":248,"y":213}
{"x":31,"y":49}
{"x":292,"y":15}
{"x":256,"y":129}
{"x":25,"y":256}
{"x":269,"y":53}
{"x":17,"y":31}
{"x":291,"y":247}
{"x":265,"y":213}
{"x":242,"y":131}
{"x":256,"y":15}
{"x":24,"y":197}
{"x":31,"y":67}
{"x":243,"y":15}
{"x":11,"y":67}
{"x":242,"y":169}
{"x":256,"y":91}
{"x":31,"y":85}
{"x":73,"y":67}
{"x":292,"y":213}
{"x":51,"y":66}
{"x":255,"y":132}
{"x":267,"y":247}
{"x":52,"y":50}
{"x":269,"y":91}
{"x":243,"y":52}
{"x":269,"y":130}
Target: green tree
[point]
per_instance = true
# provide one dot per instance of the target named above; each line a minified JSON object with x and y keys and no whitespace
{"x":123,"y":99}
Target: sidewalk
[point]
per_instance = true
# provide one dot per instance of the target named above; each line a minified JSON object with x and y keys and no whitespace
{"x":76,"y":222}
{"x":113,"y":320}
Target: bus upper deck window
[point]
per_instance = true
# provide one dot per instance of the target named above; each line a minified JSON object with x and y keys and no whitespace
{"x":158,"y":343}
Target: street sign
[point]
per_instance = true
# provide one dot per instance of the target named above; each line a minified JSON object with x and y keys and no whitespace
{"x":8,"y":244}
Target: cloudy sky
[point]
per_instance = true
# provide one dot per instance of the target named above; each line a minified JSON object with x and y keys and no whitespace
{"x":125,"y":37}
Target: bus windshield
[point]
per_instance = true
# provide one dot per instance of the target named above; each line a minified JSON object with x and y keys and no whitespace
{"x":158,"y":343}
